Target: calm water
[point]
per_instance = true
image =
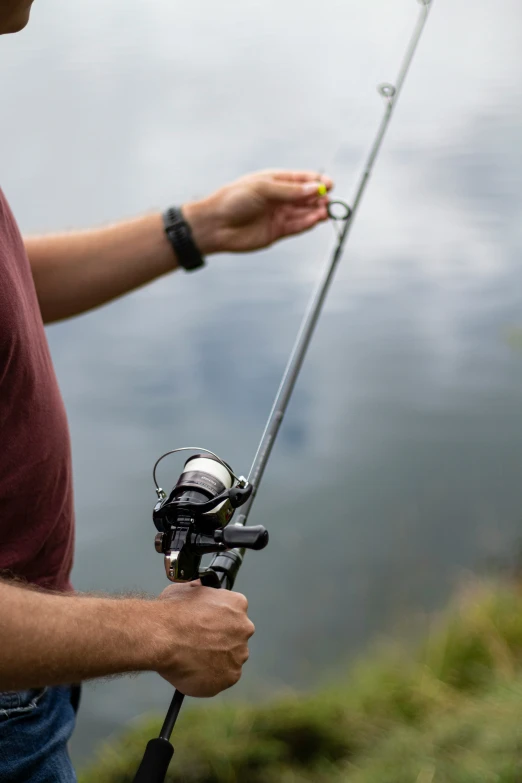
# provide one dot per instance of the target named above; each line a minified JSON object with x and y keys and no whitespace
{"x":398,"y":468}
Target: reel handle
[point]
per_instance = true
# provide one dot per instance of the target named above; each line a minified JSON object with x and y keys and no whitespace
{"x":239,"y":537}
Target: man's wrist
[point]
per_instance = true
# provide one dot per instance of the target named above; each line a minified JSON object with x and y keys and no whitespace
{"x":204,"y":223}
{"x":154,"y":625}
{"x":130,"y":635}
{"x":55,"y":639}
{"x":138,"y":631}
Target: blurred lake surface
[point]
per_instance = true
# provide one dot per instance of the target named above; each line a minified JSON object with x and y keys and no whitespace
{"x":397,"y":471}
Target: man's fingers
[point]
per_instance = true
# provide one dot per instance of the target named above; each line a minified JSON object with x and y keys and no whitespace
{"x":303,"y":222}
{"x":279,"y":190}
{"x":294,"y":186}
{"x":315,"y":201}
{"x":289,"y":213}
{"x":303,"y":176}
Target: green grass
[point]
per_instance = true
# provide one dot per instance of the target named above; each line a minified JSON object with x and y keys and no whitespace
{"x":450,"y":712}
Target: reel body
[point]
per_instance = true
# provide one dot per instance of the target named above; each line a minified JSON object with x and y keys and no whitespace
{"x":194,"y":520}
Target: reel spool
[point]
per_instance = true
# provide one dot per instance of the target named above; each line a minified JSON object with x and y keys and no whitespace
{"x":193,"y":520}
{"x":205,"y":478}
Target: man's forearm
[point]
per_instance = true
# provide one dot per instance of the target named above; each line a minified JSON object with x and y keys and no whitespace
{"x":194,"y":636}
{"x":52,"y":639}
{"x":79,"y":271}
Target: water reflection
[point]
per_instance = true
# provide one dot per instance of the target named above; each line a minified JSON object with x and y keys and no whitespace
{"x":398,"y":466}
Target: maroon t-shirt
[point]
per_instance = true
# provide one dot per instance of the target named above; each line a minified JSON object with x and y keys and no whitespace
{"x":36,"y":503}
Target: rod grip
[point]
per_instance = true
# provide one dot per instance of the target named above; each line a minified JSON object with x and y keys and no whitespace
{"x":155,"y":763}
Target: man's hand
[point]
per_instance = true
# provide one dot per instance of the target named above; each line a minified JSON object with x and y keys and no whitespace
{"x":257,"y":210}
{"x":193,"y":636}
{"x":209,"y":632}
{"x":78,"y":271}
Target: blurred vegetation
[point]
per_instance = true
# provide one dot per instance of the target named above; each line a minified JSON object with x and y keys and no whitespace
{"x":449,"y":712}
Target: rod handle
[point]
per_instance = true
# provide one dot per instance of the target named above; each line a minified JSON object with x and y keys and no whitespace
{"x":155,"y":763}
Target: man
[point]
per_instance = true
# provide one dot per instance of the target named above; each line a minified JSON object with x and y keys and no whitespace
{"x":195,"y":637}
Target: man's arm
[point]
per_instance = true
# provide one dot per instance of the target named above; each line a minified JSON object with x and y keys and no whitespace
{"x":79,"y":271}
{"x":76,"y":272}
{"x":193,"y":636}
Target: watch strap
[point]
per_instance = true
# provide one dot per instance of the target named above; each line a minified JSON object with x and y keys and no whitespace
{"x":181,"y":238}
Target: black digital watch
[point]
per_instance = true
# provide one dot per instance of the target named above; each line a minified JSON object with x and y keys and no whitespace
{"x":180,"y":237}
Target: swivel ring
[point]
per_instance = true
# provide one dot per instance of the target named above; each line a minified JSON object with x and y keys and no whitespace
{"x":339,"y":210}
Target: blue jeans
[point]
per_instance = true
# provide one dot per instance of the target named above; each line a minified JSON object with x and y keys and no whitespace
{"x":35,"y":727}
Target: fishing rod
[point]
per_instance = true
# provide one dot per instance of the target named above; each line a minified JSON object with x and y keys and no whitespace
{"x":194,"y":520}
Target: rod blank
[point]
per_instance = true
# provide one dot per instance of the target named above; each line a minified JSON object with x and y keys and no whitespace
{"x":391,"y":94}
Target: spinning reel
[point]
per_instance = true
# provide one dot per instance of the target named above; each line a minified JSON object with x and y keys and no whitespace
{"x":194,"y":520}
